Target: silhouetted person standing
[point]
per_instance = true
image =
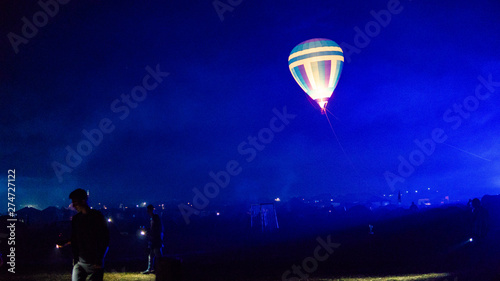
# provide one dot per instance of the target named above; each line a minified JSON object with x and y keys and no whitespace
{"x":413,"y":207}
{"x":155,"y":239}
{"x":89,"y":239}
{"x":480,"y":220}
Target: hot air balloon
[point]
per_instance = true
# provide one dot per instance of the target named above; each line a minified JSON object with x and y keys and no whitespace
{"x":316,"y":65}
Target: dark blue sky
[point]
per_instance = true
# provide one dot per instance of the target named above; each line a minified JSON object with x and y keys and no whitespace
{"x":414,"y":73}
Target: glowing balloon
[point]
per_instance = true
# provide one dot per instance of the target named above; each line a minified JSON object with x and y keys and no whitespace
{"x":316,"y":65}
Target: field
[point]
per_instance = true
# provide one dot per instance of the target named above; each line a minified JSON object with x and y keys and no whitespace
{"x":431,"y":245}
{"x":119,"y":276}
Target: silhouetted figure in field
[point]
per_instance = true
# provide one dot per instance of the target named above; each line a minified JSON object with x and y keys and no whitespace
{"x":479,"y":220}
{"x":155,"y":239}
{"x":413,"y":207}
{"x":89,"y":239}
{"x":483,"y":256}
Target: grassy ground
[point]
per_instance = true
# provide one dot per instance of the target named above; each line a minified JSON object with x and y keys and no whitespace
{"x":117,"y":276}
{"x":419,"y":277}
{"x":120,"y":276}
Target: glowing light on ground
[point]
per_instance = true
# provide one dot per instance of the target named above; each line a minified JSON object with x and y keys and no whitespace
{"x":412,"y":277}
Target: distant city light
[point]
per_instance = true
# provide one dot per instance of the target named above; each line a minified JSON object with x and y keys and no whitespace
{"x":143,"y":232}
{"x":57,"y":246}
{"x":277,"y":199}
{"x":416,"y":191}
{"x":110,"y":220}
{"x":218,"y":213}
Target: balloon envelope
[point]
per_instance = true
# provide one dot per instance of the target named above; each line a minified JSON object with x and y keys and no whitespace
{"x":316,"y":65}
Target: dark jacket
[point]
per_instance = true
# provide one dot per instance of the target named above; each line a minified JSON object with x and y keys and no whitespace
{"x":156,"y":232}
{"x":89,"y":237}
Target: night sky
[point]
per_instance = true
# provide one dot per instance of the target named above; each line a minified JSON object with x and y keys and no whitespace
{"x":169,"y":91}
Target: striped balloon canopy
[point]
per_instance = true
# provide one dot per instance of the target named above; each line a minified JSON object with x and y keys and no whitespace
{"x":316,"y":65}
